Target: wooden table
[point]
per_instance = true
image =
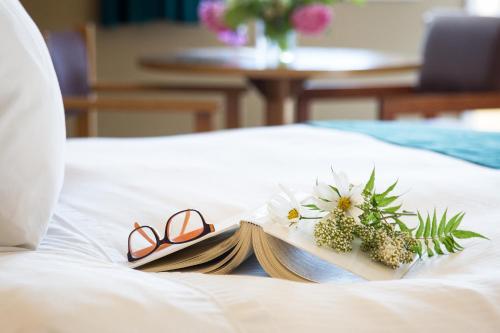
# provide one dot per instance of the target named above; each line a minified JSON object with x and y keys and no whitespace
{"x":277,"y":82}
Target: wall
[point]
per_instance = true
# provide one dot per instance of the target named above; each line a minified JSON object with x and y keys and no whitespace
{"x":386,"y":25}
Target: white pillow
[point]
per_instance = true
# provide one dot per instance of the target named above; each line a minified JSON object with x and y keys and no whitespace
{"x":32,"y":131}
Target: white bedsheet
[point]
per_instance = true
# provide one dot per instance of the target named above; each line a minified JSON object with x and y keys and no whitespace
{"x":76,"y":281}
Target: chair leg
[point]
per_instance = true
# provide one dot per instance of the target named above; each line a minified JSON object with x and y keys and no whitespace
{"x":232,"y":108}
{"x":385,"y":110}
{"x":203,"y":122}
{"x":83,"y":124}
{"x":429,"y":115}
{"x":302,"y":110}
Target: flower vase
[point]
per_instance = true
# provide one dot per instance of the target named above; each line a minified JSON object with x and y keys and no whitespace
{"x":279,"y":50}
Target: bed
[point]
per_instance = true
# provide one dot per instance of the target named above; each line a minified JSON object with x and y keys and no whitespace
{"x":78,"y":281}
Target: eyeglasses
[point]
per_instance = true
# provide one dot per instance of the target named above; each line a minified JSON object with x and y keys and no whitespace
{"x":182,"y":227}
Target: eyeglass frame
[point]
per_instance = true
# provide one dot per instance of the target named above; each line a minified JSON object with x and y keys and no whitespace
{"x":207,"y":228}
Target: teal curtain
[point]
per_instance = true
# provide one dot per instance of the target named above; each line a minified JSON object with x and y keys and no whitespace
{"x":115,"y":12}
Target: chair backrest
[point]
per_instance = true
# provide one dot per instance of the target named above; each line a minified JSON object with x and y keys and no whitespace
{"x":461,"y":54}
{"x":73,"y":59}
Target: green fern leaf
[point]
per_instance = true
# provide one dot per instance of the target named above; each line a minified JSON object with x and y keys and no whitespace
{"x":465,"y":234}
{"x":420,"y":230}
{"x":392,"y":210}
{"x":457,"y":222}
{"x":427,"y":231}
{"x":457,"y":246}
{"x":418,"y":249}
{"x":388,"y":190}
{"x":448,"y":245}
{"x":370,"y":184}
{"x":450,"y":223}
{"x":437,"y":247}
{"x":434,"y":225}
{"x":442,"y":224}
{"x":402,"y":226}
{"x":430,"y":253}
{"x":452,"y":245}
{"x":383,"y":202}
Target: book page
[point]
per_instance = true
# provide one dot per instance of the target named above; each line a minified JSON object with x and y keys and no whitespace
{"x":356,"y":262}
{"x":195,"y":255}
{"x":242,"y":251}
{"x":267,"y":257}
{"x":308,"y":265}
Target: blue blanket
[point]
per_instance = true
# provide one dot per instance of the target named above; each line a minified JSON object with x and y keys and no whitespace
{"x":481,"y":148}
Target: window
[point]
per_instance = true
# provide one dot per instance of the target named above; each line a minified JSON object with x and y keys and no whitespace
{"x":483,"y":7}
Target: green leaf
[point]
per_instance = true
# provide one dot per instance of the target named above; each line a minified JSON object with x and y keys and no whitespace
{"x":465,"y":234}
{"x":335,"y":190}
{"x":457,"y":222}
{"x":434,"y":225}
{"x":457,"y":246}
{"x":437,"y":248}
{"x":430,"y":253}
{"x":389,"y":189}
{"x":237,"y":15}
{"x":419,"y":249}
{"x":386,"y":201}
{"x":442,"y":224}
{"x":402,"y":226}
{"x":427,"y":231}
{"x":420,"y":230}
{"x":370,"y":184}
{"x":311,"y":207}
{"x":448,"y":245}
{"x":451,"y":245}
{"x":392,"y":210}
{"x":450,"y":223}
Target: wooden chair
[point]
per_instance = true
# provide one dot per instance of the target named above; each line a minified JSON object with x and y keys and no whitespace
{"x":231,"y":93}
{"x":74,"y":57}
{"x":460,"y":71}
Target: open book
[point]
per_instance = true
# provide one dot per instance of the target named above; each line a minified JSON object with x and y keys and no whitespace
{"x":281,"y":251}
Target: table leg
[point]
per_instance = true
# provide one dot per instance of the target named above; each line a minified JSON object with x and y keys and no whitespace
{"x":275,"y":93}
{"x":232,"y":105}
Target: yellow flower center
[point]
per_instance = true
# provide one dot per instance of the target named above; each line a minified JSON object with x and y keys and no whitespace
{"x":344,"y":203}
{"x":293,"y":214}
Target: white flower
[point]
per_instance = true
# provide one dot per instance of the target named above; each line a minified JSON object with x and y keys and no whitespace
{"x":341,"y":195}
{"x":284,"y":208}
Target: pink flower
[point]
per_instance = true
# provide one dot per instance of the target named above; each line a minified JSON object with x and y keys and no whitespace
{"x":233,"y":37}
{"x":211,"y":14}
{"x":312,"y":19}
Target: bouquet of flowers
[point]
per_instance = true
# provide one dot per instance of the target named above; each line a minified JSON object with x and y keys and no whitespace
{"x":228,"y":19}
{"x":343,"y":212}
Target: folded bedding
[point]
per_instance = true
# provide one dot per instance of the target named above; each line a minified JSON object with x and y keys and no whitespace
{"x":482,"y":148}
{"x":77,"y":280}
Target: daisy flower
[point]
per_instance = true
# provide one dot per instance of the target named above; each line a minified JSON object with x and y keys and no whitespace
{"x":341,"y":195}
{"x":284,"y":208}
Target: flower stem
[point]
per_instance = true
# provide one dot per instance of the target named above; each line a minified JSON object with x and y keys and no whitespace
{"x":309,"y":218}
